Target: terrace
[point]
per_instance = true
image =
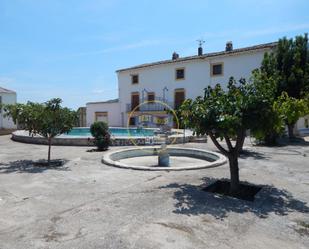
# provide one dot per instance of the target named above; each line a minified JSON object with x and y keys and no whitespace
{"x":86,"y":204}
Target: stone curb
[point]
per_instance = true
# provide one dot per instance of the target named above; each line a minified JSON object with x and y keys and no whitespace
{"x":108,"y":160}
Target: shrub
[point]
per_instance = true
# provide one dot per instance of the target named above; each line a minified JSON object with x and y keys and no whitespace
{"x":99,"y":131}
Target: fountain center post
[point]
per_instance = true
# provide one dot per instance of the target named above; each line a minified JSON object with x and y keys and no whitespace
{"x":163,"y":156}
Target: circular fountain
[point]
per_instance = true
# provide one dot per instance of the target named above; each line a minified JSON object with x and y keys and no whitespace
{"x":163,"y":157}
{"x":149,"y":158}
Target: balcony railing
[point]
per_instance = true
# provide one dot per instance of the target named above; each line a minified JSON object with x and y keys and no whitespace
{"x":151,"y":107}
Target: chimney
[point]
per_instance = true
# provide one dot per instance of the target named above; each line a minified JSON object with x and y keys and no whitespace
{"x":200,"y":51}
{"x":229,"y":46}
{"x":175,"y":56}
{"x":200,"y":48}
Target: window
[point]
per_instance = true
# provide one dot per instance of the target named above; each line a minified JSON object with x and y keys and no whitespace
{"x":134,"y":78}
{"x":217,"y":69}
{"x":151,"y":96}
{"x":180,"y":74}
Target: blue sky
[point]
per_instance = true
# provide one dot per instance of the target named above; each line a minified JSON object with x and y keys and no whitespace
{"x":71,"y":48}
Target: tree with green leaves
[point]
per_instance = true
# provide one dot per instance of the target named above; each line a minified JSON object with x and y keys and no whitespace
{"x":227,"y":115}
{"x":291,"y":109}
{"x":48,"y":120}
{"x":292,"y":66}
{"x":265,"y":82}
{"x":286,"y":69}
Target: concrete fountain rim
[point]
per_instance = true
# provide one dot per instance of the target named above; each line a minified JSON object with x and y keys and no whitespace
{"x":108,"y":159}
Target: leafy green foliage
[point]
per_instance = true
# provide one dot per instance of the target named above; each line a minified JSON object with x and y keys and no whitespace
{"x":226,"y":113}
{"x":292,"y":66}
{"x":265,"y":81}
{"x":291,"y":108}
{"x":99,"y":131}
{"x":48,"y":119}
{"x":284,"y":70}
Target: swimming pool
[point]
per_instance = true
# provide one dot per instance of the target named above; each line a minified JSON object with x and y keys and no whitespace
{"x":117,"y":132}
{"x":120,"y":137}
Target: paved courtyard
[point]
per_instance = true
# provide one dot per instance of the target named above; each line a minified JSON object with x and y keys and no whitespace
{"x":86,"y":204}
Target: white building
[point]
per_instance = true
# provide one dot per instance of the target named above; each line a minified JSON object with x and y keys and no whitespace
{"x":172,"y":81}
{"x":6,"y":97}
{"x":107,"y":111}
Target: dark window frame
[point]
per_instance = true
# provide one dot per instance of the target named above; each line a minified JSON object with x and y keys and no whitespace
{"x":180,"y":76}
{"x":214,"y":72}
{"x":134,"y":79}
{"x":151,"y":94}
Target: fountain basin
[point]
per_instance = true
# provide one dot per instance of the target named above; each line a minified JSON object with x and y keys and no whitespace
{"x":146,"y":158}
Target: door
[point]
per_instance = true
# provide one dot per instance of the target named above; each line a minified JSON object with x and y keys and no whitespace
{"x":101,"y":116}
{"x":179,"y":98}
{"x":134,"y":101}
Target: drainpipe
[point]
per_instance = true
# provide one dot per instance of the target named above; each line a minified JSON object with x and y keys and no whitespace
{"x":165,"y":89}
{"x":143,"y":94}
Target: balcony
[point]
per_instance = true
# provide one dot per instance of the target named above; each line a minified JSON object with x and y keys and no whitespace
{"x":151,"y":107}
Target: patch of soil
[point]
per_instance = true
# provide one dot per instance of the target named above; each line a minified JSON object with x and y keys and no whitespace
{"x":246,"y":192}
{"x":52,"y":163}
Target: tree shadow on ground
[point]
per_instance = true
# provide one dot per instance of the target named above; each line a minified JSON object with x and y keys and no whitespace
{"x":285,"y":141}
{"x":192,"y":200}
{"x":294,"y":141}
{"x":28,"y":166}
{"x":253,"y":154}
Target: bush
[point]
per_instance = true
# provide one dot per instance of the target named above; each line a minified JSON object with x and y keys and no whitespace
{"x":99,"y":130}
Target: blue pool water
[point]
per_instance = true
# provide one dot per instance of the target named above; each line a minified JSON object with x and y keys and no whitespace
{"x":118,"y":132}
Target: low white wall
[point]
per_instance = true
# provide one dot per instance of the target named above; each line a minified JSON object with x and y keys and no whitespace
{"x":301,"y":123}
{"x":7,"y":123}
{"x":112,"y":109}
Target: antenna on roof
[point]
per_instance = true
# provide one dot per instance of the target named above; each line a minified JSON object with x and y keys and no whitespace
{"x":200,"y":42}
{"x":200,"y":48}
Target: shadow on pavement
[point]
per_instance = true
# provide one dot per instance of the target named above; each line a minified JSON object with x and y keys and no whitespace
{"x":28,"y":166}
{"x":192,"y":200}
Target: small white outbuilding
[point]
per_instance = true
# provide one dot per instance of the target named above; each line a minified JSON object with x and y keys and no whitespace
{"x":6,"y":97}
{"x":106,"y":111}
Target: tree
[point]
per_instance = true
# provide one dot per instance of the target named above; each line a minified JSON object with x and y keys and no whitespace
{"x":286,"y":69}
{"x":99,"y":130}
{"x":291,"y":110}
{"x":292,"y":65}
{"x":265,"y":81}
{"x":48,"y":119}
{"x":227,"y":115}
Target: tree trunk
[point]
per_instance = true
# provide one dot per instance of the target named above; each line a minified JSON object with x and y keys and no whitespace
{"x":291,"y":131}
{"x":234,"y":171}
{"x":241,"y":144}
{"x":49,"y":147}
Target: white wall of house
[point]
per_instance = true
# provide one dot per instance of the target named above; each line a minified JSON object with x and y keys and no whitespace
{"x":303,"y":123}
{"x":197,"y":76}
{"x":5,"y":122}
{"x":112,"y":109}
